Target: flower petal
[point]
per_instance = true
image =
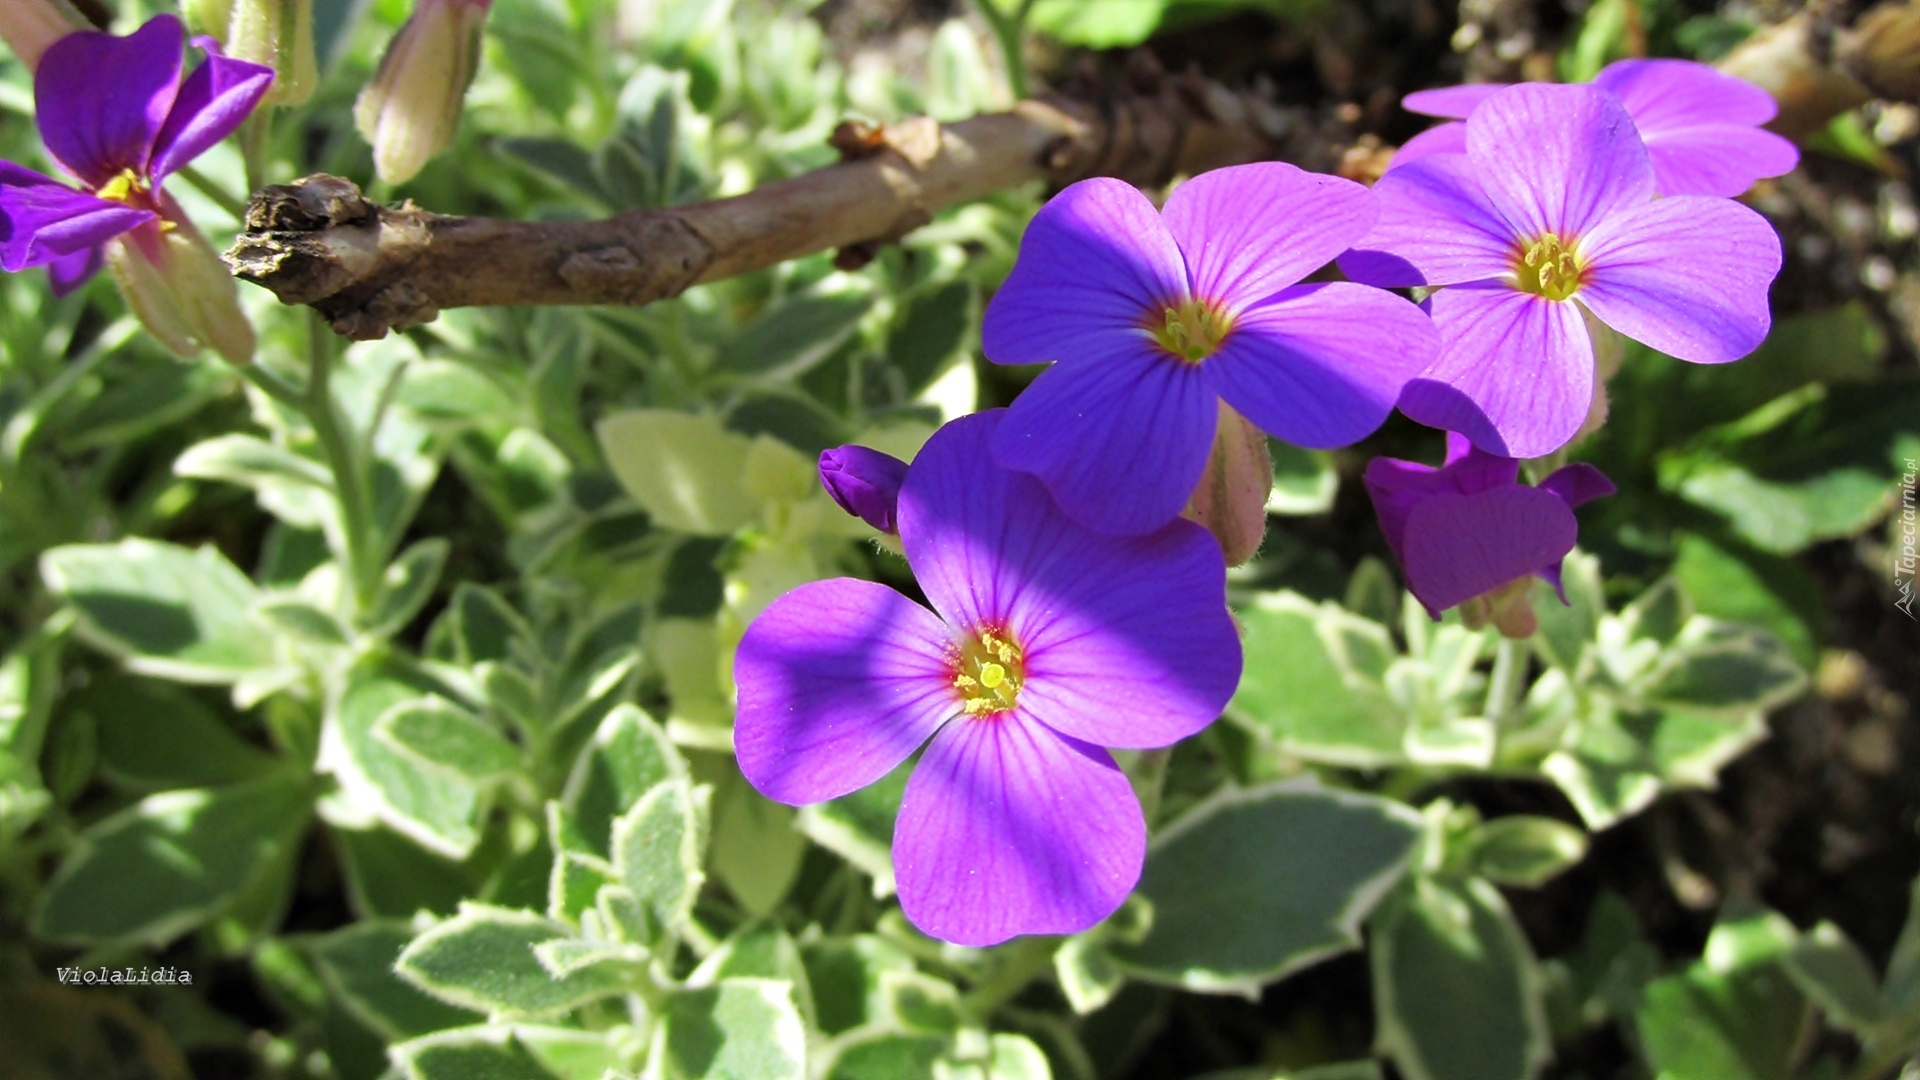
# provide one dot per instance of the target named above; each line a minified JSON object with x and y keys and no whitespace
{"x":1451,"y":102}
{"x":1515,"y":373}
{"x":215,"y":99}
{"x":1459,"y":546}
{"x":1251,"y":230}
{"x":1558,"y":159}
{"x":1322,"y":365}
{"x":102,"y":99}
{"x":1687,"y":275}
{"x":1436,"y":227}
{"x":1667,"y":95}
{"x":1447,"y":138}
{"x":839,"y":681}
{"x":1720,"y":160}
{"x":69,"y":272}
{"x":1094,"y":264}
{"x":1119,"y":438}
{"x":1578,"y":484}
{"x":42,"y":220}
{"x":1009,"y":828}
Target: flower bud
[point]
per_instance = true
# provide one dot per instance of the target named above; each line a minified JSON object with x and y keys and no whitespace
{"x":865,"y":483}
{"x":180,"y":290}
{"x":1231,"y":499}
{"x":210,"y":17}
{"x":279,"y":34}
{"x":29,"y":26}
{"x":411,"y":109}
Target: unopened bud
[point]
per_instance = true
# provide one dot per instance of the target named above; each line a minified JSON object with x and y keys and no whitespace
{"x":213,"y":18}
{"x":1231,"y":498}
{"x":411,"y":110}
{"x":29,"y":26}
{"x":180,"y":290}
{"x":865,"y":483}
{"x":279,"y":34}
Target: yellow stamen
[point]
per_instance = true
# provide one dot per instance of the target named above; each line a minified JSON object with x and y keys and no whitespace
{"x":1548,"y":267}
{"x":1191,"y":331}
{"x":988,"y":673}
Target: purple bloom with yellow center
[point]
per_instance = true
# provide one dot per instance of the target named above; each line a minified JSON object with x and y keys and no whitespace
{"x":1701,"y":126}
{"x":1470,"y":533}
{"x":115,"y":113}
{"x":1155,"y":320}
{"x":1047,"y":642}
{"x":1551,"y":210}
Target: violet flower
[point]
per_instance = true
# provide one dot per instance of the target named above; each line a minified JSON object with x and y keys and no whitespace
{"x":1154,"y":318}
{"x":116,"y":115}
{"x":1470,"y":533}
{"x":1550,"y":211}
{"x":1050,"y":642}
{"x":1701,"y":126}
{"x":864,"y":482}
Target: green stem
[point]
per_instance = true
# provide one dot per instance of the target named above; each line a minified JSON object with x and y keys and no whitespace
{"x":1149,"y":777}
{"x":1015,"y":967}
{"x":204,"y":184}
{"x":356,"y":514}
{"x":1503,"y":686}
{"x":1010,"y":30}
{"x":254,"y":133}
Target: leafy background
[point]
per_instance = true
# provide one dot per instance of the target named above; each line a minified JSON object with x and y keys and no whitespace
{"x":395,"y":711}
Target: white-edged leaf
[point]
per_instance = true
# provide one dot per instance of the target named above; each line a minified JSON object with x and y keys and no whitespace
{"x":483,"y":958}
{"x":169,"y":611}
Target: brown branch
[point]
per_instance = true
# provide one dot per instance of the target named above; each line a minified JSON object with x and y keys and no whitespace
{"x":370,"y":268}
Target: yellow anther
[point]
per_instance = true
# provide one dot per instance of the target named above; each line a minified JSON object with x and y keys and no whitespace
{"x":1191,"y":331}
{"x":987,"y":672}
{"x":1548,"y":267}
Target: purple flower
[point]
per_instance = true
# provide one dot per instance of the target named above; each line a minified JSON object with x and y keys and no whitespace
{"x":1154,"y":318}
{"x":1050,"y":642}
{"x":864,"y":482}
{"x":116,"y":115}
{"x":1470,"y":529}
{"x":1551,"y":203}
{"x":1701,"y":127}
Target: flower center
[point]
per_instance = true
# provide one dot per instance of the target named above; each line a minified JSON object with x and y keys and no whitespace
{"x":1191,"y":331}
{"x":988,"y":673}
{"x":129,"y":187}
{"x":1548,"y":267}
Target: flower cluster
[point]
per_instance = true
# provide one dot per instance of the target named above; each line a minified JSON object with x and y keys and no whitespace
{"x":1073,"y":609}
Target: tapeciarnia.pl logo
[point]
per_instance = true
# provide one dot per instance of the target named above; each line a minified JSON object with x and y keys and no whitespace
{"x":1905,"y":556}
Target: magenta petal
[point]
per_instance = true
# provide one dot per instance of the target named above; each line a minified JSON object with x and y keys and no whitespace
{"x":1666,"y":95}
{"x":69,"y":272}
{"x":42,"y":220}
{"x":1557,"y":159}
{"x":1095,"y":264}
{"x":1436,"y":227}
{"x":1447,"y":138}
{"x":102,"y":99}
{"x":1515,"y":373}
{"x":1578,"y":484}
{"x":215,"y":99}
{"x":1322,"y":365}
{"x":1459,"y":546}
{"x":1118,"y":438}
{"x":1451,"y":102}
{"x":839,"y":681}
{"x":1251,"y":230}
{"x":1720,"y":160}
{"x":1009,"y":828}
{"x":1687,"y":275}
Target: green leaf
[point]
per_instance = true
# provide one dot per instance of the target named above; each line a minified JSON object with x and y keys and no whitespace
{"x":389,"y":875}
{"x":436,"y":808}
{"x":759,"y":950}
{"x":251,"y":462}
{"x":657,"y":849}
{"x":1303,"y":688}
{"x":739,"y":1029}
{"x":486,"y":626}
{"x":756,"y":849}
{"x":1253,"y":884}
{"x":1456,"y":988}
{"x":858,"y":826}
{"x":483,"y":959}
{"x":1901,"y":990}
{"x":575,"y":883}
{"x":882,"y":1055}
{"x":563,"y":957}
{"x":442,"y":736}
{"x":797,"y":335}
{"x":683,"y":469}
{"x":930,"y":331}
{"x":1739,"y":585}
{"x":1087,"y":973}
{"x":357,"y":965}
{"x":1566,"y":633}
{"x":1738,"y":1024}
{"x":1525,"y":850}
{"x":513,"y":1052}
{"x":1098,"y":24}
{"x":628,"y":756}
{"x":845,"y":976}
{"x":168,"y":611}
{"x":1831,"y":970}
{"x":301,"y":621}
{"x":447,"y":390}
{"x":173,"y":861}
{"x":1304,"y":481}
{"x":153,"y":736}
{"x":1717,"y":666}
{"x":1619,"y":760}
{"x":408,"y":584}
